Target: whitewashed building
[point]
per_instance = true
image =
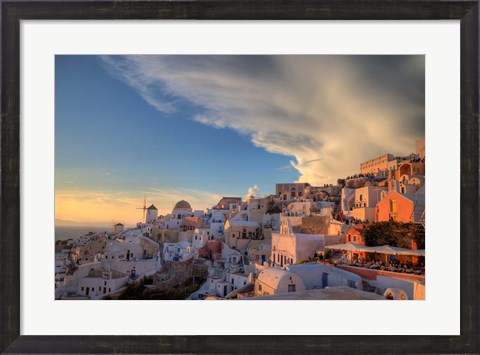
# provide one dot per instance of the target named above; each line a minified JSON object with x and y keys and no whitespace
{"x":291,"y":248}
{"x":273,"y":281}
{"x":181,"y":209}
{"x":317,"y":275}
{"x":152,"y":214}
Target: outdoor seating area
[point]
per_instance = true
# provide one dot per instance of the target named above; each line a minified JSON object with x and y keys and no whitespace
{"x":392,"y":266}
{"x":384,"y":258}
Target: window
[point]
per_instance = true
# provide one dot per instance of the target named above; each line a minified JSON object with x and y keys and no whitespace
{"x":393,"y":206}
{"x":351,"y":284}
{"x":244,"y":233}
{"x":260,"y":287}
{"x":354,"y":238}
{"x":291,"y":288}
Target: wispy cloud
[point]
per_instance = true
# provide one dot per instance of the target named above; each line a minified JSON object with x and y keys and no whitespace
{"x":327,"y":112}
{"x":287,"y":167}
{"x":311,"y":161}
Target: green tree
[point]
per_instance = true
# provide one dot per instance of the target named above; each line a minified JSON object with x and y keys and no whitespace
{"x":273,"y":208}
{"x":391,"y":233}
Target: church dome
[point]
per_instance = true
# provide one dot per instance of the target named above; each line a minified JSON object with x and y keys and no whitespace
{"x":183,"y":206}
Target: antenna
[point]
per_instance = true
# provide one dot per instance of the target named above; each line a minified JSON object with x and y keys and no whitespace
{"x":144,"y":208}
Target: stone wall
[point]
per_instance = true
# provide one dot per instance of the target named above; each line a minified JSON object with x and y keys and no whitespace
{"x":313,"y":225}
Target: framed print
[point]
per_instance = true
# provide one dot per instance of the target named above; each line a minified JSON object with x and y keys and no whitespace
{"x":316,"y":180}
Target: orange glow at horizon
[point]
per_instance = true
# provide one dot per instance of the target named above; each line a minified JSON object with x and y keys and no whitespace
{"x":92,"y":207}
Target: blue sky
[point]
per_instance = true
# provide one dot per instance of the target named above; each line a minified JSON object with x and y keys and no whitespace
{"x":199,"y":127}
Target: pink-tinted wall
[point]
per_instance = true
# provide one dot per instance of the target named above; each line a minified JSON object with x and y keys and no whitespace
{"x":403,"y":212}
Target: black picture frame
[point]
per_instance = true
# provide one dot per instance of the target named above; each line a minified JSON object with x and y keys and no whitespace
{"x":14,"y":11}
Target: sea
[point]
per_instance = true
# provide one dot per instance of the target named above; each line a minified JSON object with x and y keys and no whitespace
{"x":67,"y":232}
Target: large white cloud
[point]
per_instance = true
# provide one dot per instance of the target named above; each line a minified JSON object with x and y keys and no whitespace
{"x":329,"y":113}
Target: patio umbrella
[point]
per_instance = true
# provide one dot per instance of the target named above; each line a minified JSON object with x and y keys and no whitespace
{"x":419,"y":252}
{"x":387,"y":249}
{"x":349,"y":247}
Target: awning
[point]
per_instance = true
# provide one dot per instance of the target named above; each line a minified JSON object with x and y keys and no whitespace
{"x":419,"y":252}
{"x":387,"y":249}
{"x":384,"y":249}
{"x":348,"y":247}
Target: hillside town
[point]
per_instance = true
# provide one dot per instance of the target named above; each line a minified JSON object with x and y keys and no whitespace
{"x":360,"y":238}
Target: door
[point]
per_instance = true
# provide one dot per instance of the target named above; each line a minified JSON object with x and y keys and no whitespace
{"x":324,"y":280}
{"x":88,"y":291}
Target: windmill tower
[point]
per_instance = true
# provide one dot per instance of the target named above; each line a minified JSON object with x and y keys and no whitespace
{"x":144,"y":208}
{"x":152,"y":214}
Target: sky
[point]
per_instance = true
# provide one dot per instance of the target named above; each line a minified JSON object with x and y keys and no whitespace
{"x":201,"y":127}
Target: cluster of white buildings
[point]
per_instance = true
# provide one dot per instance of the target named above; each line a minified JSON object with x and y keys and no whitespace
{"x":100,"y":265}
{"x":254,"y":247}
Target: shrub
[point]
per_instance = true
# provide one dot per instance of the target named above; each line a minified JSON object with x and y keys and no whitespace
{"x":328,"y":253}
{"x":391,"y":233}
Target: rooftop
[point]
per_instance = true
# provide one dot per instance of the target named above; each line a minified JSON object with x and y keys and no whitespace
{"x":328,"y":293}
{"x":182,"y":205}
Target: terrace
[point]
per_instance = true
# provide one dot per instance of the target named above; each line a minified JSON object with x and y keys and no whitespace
{"x":383,"y":258}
